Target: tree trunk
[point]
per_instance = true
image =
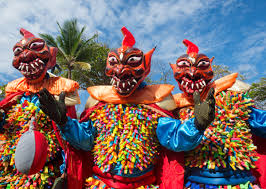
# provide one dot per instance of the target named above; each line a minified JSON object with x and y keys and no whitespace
{"x":69,"y":73}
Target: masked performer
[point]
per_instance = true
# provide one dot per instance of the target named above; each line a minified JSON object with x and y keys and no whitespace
{"x":32,"y":57}
{"x":125,"y":124}
{"x":227,"y":154}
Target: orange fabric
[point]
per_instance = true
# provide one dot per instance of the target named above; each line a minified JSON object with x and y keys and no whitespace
{"x":224,"y":83}
{"x":181,"y":100}
{"x":55,"y":85}
{"x":219,"y":85}
{"x":149,"y":94}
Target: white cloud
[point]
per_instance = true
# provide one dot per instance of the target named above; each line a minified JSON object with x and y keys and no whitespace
{"x":248,"y":70}
{"x":252,"y":47}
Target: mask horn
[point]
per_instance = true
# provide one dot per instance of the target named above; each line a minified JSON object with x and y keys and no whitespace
{"x":128,"y":41}
{"x":192,"y":49}
{"x":26,"y":34}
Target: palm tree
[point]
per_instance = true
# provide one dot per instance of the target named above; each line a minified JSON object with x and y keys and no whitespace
{"x":71,"y":44}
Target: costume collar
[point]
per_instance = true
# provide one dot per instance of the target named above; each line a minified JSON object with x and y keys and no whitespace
{"x":147,"y":95}
{"x":55,"y":85}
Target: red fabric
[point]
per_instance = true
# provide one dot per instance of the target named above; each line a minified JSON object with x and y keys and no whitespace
{"x":260,"y":171}
{"x":116,"y":181}
{"x":71,"y":112}
{"x":74,"y":158}
{"x":163,"y":110}
{"x":79,"y":166}
{"x":41,"y":148}
{"x":170,"y":169}
{"x":10,"y":100}
{"x":78,"y":162}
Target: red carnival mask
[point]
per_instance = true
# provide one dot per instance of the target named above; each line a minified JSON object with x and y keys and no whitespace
{"x":192,"y":71}
{"x":127,"y":66}
{"x":32,"y":57}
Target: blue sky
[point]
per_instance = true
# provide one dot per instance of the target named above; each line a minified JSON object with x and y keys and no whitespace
{"x":233,"y":31}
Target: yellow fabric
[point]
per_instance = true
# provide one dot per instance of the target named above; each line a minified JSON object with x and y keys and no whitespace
{"x":148,"y":95}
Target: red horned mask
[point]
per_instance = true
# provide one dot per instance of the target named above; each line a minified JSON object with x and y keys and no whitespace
{"x":127,"y":66}
{"x":32,"y":57}
{"x":192,"y":71}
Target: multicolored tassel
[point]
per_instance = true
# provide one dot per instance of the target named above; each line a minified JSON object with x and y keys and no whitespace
{"x":227,"y":141}
{"x":126,"y":137}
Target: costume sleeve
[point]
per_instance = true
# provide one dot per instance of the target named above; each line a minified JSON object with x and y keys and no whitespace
{"x":257,"y":122}
{"x":79,"y":135}
{"x":176,"y":136}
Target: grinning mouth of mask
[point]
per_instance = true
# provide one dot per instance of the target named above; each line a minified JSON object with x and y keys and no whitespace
{"x":125,"y":84}
{"x":190,"y":86}
{"x":32,"y":69}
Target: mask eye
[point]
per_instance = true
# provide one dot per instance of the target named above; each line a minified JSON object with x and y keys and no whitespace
{"x":134,"y":61}
{"x":17,"y":51}
{"x":203,"y":64}
{"x":183,"y":64}
{"x":37,"y":45}
{"x":112,"y":60}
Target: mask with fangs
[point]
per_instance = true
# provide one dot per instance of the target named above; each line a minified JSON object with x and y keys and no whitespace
{"x":32,"y":57}
{"x":127,"y":66}
{"x":193,"y":71}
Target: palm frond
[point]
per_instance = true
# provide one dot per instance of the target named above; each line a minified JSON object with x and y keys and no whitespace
{"x":48,"y":39}
{"x":83,"y":65}
{"x":77,"y":42}
{"x":84,"y":44}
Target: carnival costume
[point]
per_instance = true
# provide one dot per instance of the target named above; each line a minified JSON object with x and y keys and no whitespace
{"x":25,"y":125}
{"x":125,"y":125}
{"x":227,"y":156}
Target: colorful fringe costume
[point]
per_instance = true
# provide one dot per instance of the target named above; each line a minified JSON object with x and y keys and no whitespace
{"x":126,"y":152}
{"x":228,"y":156}
{"x":126,"y":126}
{"x":227,"y":153}
{"x":20,"y":109}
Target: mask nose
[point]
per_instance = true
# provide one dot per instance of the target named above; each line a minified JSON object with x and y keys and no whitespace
{"x":26,"y":56}
{"x":192,"y":71}
{"x":123,"y":72}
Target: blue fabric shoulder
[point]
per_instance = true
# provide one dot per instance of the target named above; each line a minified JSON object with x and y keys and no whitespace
{"x":257,"y":122}
{"x":176,"y":136}
{"x":79,"y":135}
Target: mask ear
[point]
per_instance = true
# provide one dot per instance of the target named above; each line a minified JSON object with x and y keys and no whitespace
{"x":173,"y":66}
{"x":211,"y":59}
{"x":53,"y":52}
{"x":147,"y":57}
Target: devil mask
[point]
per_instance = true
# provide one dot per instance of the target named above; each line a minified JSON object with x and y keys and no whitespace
{"x":192,"y":71}
{"x":127,"y":66}
{"x":32,"y":57}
